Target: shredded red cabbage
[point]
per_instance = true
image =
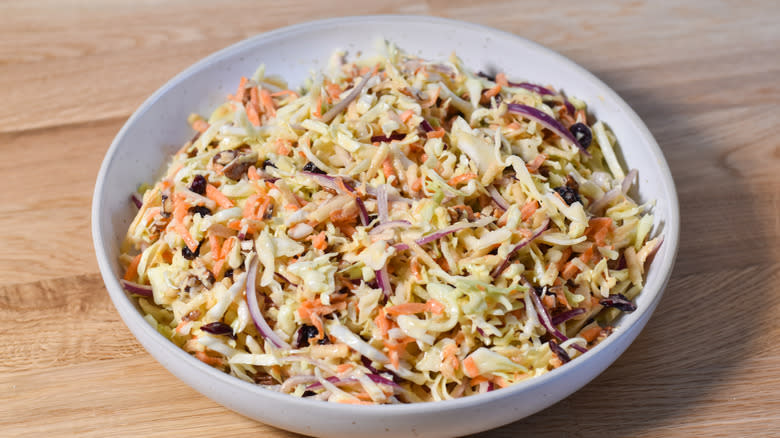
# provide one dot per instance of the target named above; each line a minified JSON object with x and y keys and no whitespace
{"x":137,"y":289}
{"x":544,"y":318}
{"x":565,"y":316}
{"x":388,"y":139}
{"x":136,"y":200}
{"x":618,"y":301}
{"x":536,"y":233}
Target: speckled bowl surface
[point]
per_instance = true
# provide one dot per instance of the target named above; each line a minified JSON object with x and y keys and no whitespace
{"x":158,"y":128}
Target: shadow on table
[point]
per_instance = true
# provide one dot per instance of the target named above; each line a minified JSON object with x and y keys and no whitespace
{"x":711,"y":316}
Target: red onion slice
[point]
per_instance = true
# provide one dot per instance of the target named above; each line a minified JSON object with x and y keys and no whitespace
{"x":388,"y":138}
{"x":136,"y":200}
{"x":538,"y":89}
{"x":254,"y":310}
{"x":381,"y":203}
{"x":391,"y":224}
{"x":339,"y":107}
{"x":544,"y":318}
{"x":565,"y":316}
{"x":383,"y":280}
{"x":536,"y":233}
{"x":497,"y":198}
{"x":546,"y":121}
{"x":441,"y":233}
{"x":137,"y":289}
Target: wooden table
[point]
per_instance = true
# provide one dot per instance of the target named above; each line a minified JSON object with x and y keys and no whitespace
{"x":704,"y":76}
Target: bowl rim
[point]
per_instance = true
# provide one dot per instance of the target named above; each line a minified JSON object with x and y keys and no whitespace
{"x":132,"y":317}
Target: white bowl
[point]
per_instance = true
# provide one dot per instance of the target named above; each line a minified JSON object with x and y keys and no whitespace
{"x":141,"y":150}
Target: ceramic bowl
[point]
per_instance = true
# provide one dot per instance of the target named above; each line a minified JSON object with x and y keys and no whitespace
{"x":140,"y":152}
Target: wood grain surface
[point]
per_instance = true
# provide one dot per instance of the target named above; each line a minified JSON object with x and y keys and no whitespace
{"x":703,"y":75}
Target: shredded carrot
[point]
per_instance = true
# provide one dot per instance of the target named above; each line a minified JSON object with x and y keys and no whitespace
{"x":387,"y":167}
{"x":333,"y":90}
{"x":344,"y":188}
{"x":263,"y":208}
{"x":529,"y":209}
{"x":493,"y":91}
{"x":241,"y":92}
{"x":382,"y":323}
{"x":439,"y":133}
{"x":215,"y":195}
{"x":132,"y":268}
{"x":214,"y":244}
{"x":470,"y":368}
{"x":249,"y":206}
{"x":406,"y":115}
{"x":536,"y":163}
{"x":414,"y":265}
{"x":254,"y":99}
{"x":200,"y":125}
{"x":343,"y":368}
{"x":590,"y":334}
{"x":292,"y":207}
{"x":564,"y":257}
{"x":319,"y":241}
{"x":234,"y":225}
{"x":455,"y":180}
{"x":252,"y":174}
{"x":291,"y":93}
{"x":283,"y":147}
{"x":501,"y":80}
{"x":394,"y":349}
{"x":182,"y":231}
{"x":598,"y":229}
{"x":203,"y":357}
{"x":412,"y":308}
{"x":351,"y":401}
{"x":416,"y":185}
{"x":252,"y":115}
{"x":476,"y":381}
{"x":318,"y":107}
{"x":267,"y":103}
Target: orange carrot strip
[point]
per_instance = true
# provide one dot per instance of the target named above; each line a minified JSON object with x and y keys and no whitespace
{"x":284,"y":92}
{"x":529,"y":209}
{"x":215,"y":195}
{"x":241,"y":92}
{"x":252,"y":115}
{"x":252,"y":173}
{"x":590,"y":334}
{"x":205,"y":358}
{"x":435,"y":306}
{"x":318,"y":108}
{"x":439,"y":133}
{"x":132,"y":268}
{"x":493,"y":91}
{"x":333,"y":90}
{"x":200,"y":125}
{"x":470,"y":368}
{"x":387,"y":167}
{"x":382,"y":323}
{"x":501,"y":80}
{"x":534,"y":165}
{"x":455,"y":180}
{"x":283,"y":148}
{"x":267,"y":103}
{"x":406,"y":115}
{"x":214,"y":243}
{"x":182,"y":231}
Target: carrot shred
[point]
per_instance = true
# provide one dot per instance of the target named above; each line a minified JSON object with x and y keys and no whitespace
{"x":470,"y":368}
{"x":333,"y":90}
{"x":590,"y":334}
{"x":455,"y":180}
{"x":406,"y":115}
{"x":132,"y":269}
{"x":501,"y":80}
{"x":285,"y":92}
{"x":205,"y":358}
{"x":252,"y":115}
{"x":536,"y":163}
{"x":493,"y":91}
{"x":319,"y":241}
{"x":217,"y":196}
{"x":529,"y":209}
{"x":200,"y":125}
{"x":382,"y":323}
{"x":241,"y":92}
{"x":182,"y":231}
{"x":439,"y":133}
{"x":318,"y":107}
{"x":387,"y":167}
{"x":252,"y":173}
{"x":267,"y":103}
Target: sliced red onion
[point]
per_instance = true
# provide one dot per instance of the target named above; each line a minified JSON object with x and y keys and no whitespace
{"x":331,"y":183}
{"x":137,"y":289}
{"x":536,"y":233}
{"x":569,"y":107}
{"x":628,"y":180}
{"x":326,"y":181}
{"x":388,"y":139}
{"x":546,"y":121}
{"x":425,"y":126}
{"x":282,"y":277}
{"x":334,"y":380}
{"x":565,"y":316}
{"x":254,"y":310}
{"x":538,"y":89}
{"x":376,"y":378}
{"x":441,"y":233}
{"x":602,"y":202}
{"x":136,"y":200}
{"x":495,"y":195}
{"x":339,"y":107}
{"x":362,"y":209}
{"x":383,"y":281}
{"x":391,"y":224}
{"x":544,"y":318}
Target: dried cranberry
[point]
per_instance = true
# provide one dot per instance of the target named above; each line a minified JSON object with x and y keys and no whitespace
{"x":569,"y":195}
{"x":267,"y":163}
{"x":199,"y":209}
{"x":198,"y":185}
{"x":308,"y":393}
{"x":189,"y":255}
{"x":582,"y":133}
{"x":310,"y":167}
{"x":229,"y":273}
{"x":217,"y":328}
{"x":305,"y":333}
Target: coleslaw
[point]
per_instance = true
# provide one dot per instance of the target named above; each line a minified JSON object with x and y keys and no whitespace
{"x":397,"y":230}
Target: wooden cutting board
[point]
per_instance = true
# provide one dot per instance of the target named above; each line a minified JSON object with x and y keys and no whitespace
{"x":703,"y":75}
